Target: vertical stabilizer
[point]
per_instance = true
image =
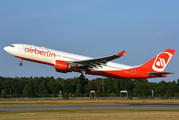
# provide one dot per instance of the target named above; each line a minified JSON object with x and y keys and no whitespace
{"x":159,"y":62}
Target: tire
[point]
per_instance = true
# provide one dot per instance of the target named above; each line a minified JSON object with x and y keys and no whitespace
{"x":20,"y":64}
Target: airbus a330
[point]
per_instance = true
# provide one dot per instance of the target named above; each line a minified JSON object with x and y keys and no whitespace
{"x":66,"y":62}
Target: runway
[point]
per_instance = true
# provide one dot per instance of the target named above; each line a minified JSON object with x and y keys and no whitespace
{"x":81,"y":107}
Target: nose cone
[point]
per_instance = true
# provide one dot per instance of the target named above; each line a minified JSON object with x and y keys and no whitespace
{"x":6,"y":49}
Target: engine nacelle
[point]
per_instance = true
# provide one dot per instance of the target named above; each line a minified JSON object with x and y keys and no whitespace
{"x":62,"y":66}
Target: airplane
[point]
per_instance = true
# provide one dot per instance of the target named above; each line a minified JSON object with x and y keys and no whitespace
{"x":66,"y":62}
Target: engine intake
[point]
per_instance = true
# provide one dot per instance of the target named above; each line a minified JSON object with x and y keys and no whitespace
{"x":62,"y":66}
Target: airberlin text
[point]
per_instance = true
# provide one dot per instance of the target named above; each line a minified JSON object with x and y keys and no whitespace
{"x":40,"y":52}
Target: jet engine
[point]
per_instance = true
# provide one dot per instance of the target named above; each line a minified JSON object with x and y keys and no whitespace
{"x":62,"y":66}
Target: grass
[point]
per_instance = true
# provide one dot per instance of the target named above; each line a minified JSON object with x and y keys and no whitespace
{"x":86,"y":102}
{"x":99,"y":114}
{"x":91,"y":115}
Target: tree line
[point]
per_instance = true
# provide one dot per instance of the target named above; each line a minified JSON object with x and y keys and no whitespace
{"x":104,"y":87}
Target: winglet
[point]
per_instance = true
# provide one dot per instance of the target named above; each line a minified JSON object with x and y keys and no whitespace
{"x":121,"y":53}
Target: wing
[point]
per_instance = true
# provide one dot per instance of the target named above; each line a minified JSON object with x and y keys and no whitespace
{"x":97,"y":62}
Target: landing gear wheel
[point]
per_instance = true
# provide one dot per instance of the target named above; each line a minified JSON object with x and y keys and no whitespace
{"x":82,"y":77}
{"x":20,"y":64}
{"x":86,"y":80}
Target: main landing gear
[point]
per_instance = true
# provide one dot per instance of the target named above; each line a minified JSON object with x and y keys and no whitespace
{"x":20,"y":64}
{"x":82,"y":76}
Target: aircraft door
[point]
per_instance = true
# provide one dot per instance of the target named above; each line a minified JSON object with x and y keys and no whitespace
{"x":133,"y":71}
{"x":21,"y":48}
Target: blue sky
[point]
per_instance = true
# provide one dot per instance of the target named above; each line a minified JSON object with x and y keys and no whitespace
{"x":94,"y":28}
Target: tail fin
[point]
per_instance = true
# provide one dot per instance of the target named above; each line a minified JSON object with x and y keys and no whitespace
{"x":159,"y":62}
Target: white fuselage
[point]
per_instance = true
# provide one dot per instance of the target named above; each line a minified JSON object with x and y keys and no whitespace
{"x":67,"y":62}
{"x":49,"y":56}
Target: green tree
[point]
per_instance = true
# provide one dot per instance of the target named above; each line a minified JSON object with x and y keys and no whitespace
{"x":98,"y":94}
{"x":3,"y":93}
{"x":42,"y":88}
{"x":78,"y":90}
{"x":26,"y":91}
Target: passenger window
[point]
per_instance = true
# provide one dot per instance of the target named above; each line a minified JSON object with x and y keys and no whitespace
{"x":12,"y":45}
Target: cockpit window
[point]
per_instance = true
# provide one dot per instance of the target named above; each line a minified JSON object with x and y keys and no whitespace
{"x":12,"y":45}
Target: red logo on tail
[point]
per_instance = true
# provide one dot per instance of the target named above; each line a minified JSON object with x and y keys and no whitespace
{"x":161,"y":61}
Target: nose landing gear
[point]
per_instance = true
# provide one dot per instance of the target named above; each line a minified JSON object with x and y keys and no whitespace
{"x":20,"y":64}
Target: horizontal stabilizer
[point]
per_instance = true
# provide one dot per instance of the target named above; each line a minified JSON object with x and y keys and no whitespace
{"x":152,"y":74}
